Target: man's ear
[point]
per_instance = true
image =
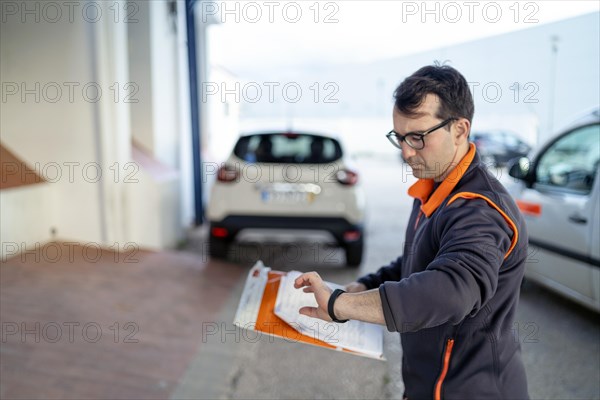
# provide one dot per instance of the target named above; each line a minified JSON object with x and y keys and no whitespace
{"x":462,"y":128}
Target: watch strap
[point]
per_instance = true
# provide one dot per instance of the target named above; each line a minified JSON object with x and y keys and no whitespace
{"x":336,"y":293}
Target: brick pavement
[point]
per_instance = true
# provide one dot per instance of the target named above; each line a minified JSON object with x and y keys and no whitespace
{"x":119,"y":326}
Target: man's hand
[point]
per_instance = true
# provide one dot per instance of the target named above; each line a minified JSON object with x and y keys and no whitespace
{"x":312,"y":283}
{"x":355,"y":287}
{"x":365,"y":306}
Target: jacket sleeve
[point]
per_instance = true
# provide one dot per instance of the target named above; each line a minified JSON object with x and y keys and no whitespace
{"x":473,"y":240}
{"x":390,"y":272}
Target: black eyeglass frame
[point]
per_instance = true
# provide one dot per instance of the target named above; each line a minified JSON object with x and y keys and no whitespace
{"x":396,"y":139}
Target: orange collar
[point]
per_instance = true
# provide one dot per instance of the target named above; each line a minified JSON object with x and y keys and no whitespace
{"x":423,"y":187}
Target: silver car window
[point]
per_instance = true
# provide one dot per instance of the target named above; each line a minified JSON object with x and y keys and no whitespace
{"x":571,"y":162}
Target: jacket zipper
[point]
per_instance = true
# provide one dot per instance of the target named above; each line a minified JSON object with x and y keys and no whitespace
{"x":418,"y":219}
{"x":438,"y":384}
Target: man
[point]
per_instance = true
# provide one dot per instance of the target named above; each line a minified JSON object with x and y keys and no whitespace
{"x":454,"y":292}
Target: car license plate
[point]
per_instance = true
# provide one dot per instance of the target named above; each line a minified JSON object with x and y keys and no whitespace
{"x":285,"y":197}
{"x":289,"y":194}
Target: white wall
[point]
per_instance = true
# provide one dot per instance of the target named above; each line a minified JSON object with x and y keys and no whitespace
{"x":155,"y":216}
{"x":164,"y":82}
{"x":77,"y":137}
{"x":154,"y":196}
{"x":153,"y":70}
{"x":140,"y":75}
{"x":26,"y":218}
{"x":47,"y":134}
{"x":113,"y":135}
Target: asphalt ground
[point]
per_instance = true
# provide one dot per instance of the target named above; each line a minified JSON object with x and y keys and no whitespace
{"x":560,"y":340}
{"x":157,"y":325}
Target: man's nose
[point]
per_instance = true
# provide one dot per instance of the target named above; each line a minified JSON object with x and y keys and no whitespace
{"x":407,"y":151}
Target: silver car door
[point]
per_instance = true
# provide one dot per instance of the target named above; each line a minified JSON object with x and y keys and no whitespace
{"x":559,"y":209}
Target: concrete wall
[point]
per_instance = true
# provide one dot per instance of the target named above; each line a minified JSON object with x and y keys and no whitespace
{"x":155,"y":215}
{"x":164,"y":78}
{"x":121,"y":80}
{"x":49,"y":130}
{"x":26,"y":218}
{"x":153,"y":72}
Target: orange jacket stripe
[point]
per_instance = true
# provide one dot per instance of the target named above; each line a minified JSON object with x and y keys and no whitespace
{"x":438,"y":385}
{"x":513,"y":226}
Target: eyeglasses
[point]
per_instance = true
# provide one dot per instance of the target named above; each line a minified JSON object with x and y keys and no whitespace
{"x":416,"y":140}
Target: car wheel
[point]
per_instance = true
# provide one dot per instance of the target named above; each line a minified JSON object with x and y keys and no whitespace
{"x":354,"y":253}
{"x":217,"y":248}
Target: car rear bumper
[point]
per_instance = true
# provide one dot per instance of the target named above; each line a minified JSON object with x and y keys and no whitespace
{"x":341,"y":229}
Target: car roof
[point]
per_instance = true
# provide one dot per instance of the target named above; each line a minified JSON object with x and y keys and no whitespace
{"x":587,"y":118}
{"x":289,"y":132}
{"x":494,"y":132}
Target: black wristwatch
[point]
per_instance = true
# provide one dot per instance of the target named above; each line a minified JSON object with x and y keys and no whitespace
{"x":332,"y":299}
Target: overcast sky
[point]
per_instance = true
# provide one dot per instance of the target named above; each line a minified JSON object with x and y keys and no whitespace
{"x":270,"y":34}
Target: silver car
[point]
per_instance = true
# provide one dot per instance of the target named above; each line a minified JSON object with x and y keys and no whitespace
{"x":558,"y":191}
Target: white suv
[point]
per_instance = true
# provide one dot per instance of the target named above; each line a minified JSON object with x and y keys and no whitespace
{"x":287,"y":181}
{"x":558,"y":192}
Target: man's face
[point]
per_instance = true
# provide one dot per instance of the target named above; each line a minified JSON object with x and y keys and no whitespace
{"x":437,"y":158}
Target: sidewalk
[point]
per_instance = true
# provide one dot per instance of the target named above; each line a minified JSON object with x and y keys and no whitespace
{"x":80,"y":324}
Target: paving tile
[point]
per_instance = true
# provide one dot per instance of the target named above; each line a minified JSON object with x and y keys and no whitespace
{"x":109,"y":326}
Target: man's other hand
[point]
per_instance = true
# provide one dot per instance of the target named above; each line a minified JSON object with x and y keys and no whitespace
{"x":355,"y":287}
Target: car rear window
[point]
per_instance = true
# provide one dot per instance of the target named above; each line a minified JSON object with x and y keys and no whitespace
{"x":288,"y":148}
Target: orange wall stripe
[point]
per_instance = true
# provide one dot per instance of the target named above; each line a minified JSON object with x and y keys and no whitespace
{"x":513,"y":226}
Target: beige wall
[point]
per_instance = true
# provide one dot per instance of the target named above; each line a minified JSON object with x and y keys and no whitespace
{"x":26,"y":218}
{"x":155,"y":217}
{"x":80,"y":136}
{"x":43,"y":133}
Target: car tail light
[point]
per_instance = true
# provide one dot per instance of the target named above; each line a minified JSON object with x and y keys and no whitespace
{"x":347,"y":177}
{"x":227,"y":173}
{"x":219,"y":232}
{"x":351,"y":236}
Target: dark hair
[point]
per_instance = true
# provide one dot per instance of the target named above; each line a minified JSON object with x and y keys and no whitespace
{"x":442,"y":80}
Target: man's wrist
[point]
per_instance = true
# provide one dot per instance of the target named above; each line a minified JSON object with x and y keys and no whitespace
{"x":333,"y":298}
{"x":338,"y":306}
